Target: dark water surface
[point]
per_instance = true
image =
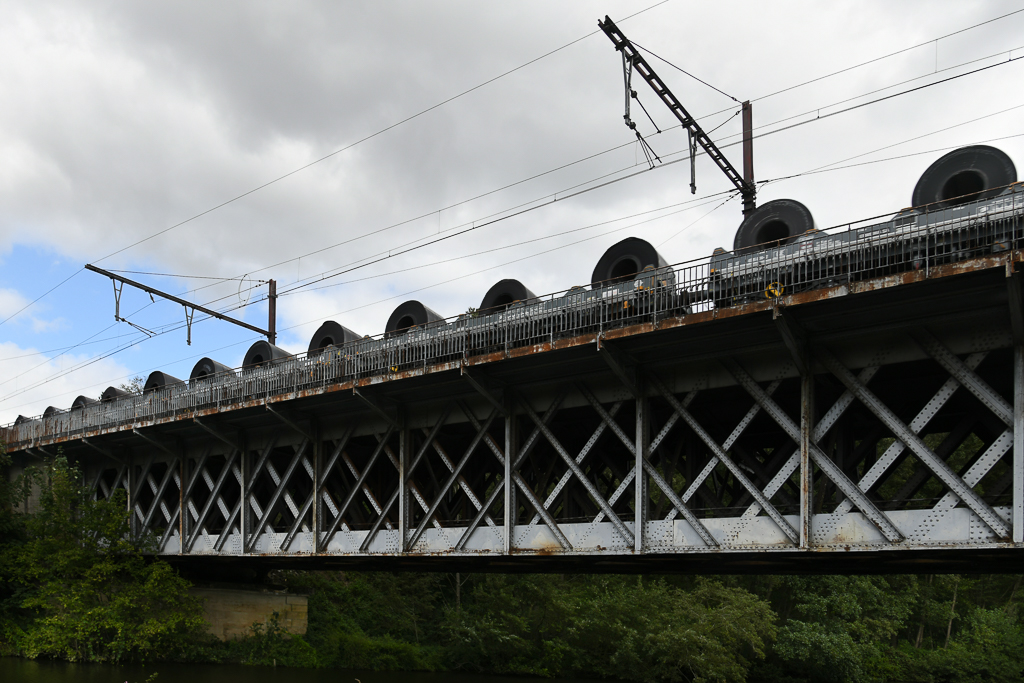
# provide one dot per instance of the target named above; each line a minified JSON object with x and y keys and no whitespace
{"x":15,"y":670}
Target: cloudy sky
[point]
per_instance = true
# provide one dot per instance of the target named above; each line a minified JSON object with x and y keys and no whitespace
{"x":121,"y":120}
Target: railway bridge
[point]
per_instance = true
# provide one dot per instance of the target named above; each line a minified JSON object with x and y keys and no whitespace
{"x":860,"y":410}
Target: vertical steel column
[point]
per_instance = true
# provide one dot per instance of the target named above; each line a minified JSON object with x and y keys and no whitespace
{"x":806,"y":472}
{"x":640,"y":502}
{"x":404,"y":445}
{"x":245,"y":464}
{"x":130,"y":488}
{"x":511,"y":449}
{"x":1018,"y":444}
{"x":748,"y":155}
{"x":183,"y":518}
{"x":317,"y":457}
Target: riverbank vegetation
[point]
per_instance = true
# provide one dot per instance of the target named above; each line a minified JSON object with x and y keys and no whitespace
{"x":74,"y":587}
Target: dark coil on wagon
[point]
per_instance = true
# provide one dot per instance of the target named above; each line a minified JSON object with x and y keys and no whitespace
{"x":408,"y":315}
{"x":331,"y":334}
{"x":207,"y":368}
{"x":625,"y":260}
{"x":772,"y":224}
{"x":505,"y":293}
{"x":159,"y":380}
{"x":110,"y":393}
{"x":262,"y":353}
{"x":964,"y":175}
{"x":83,"y":402}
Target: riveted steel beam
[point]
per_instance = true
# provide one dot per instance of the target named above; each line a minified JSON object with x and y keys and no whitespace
{"x":443,"y":491}
{"x":214,"y":497}
{"x":938,"y":466}
{"x":513,"y":469}
{"x":463,"y":484}
{"x":724,"y":458}
{"x":595,"y":495}
{"x":311,"y":496}
{"x":158,"y":494}
{"x":567,"y":475}
{"x":965,"y":375}
{"x":831,"y":470}
{"x":920,"y":421}
{"x":359,"y":485}
{"x":403,"y":480}
{"x":279,"y":491}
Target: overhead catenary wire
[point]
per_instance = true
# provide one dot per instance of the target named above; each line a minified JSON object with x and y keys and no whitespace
{"x":762,"y":97}
{"x":611,"y":149}
{"x":930,"y":41}
{"x":679,"y":68}
{"x":135,"y":342}
{"x":645,"y":171}
{"x":704,"y":201}
{"x":334,"y":153}
{"x":841,"y":111}
{"x":614,"y":148}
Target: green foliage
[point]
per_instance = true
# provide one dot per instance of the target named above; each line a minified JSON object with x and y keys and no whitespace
{"x":372,"y":620}
{"x":86,"y":587}
{"x":75,"y":585}
{"x":270,"y":645}
{"x":617,"y":627}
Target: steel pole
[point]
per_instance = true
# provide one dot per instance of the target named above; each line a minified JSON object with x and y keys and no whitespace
{"x":1018,"y":444}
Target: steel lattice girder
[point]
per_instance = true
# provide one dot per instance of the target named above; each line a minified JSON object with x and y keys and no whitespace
{"x":576,"y":465}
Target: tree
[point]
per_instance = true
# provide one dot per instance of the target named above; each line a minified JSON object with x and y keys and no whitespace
{"x":94,"y":597}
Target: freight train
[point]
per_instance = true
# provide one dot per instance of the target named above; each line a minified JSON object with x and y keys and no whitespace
{"x":966,"y":204}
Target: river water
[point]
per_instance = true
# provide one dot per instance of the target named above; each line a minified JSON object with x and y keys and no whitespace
{"x":15,"y":670}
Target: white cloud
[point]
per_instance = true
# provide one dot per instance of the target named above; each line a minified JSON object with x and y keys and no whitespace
{"x":30,"y":382}
{"x":11,"y":302}
{"x":122,"y":119}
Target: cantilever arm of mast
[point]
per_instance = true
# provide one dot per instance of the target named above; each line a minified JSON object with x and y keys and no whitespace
{"x":171,"y":297}
{"x":747,"y":189}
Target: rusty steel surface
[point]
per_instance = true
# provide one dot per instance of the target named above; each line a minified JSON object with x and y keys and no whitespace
{"x":51,"y":433}
{"x":863,"y":425}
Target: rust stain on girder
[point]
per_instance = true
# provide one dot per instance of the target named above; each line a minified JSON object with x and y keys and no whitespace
{"x":1006,"y":260}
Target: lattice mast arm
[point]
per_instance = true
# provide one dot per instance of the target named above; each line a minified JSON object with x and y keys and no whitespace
{"x":269,"y":333}
{"x":632,"y":58}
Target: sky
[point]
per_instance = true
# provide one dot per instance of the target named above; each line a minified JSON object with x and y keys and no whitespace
{"x":209,"y":147}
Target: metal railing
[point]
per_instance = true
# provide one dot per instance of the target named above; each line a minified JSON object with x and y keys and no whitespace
{"x":918,"y":240}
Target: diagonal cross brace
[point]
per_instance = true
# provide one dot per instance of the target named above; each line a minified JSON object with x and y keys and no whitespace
{"x":429,"y":514}
{"x":517,"y":479}
{"x":966,"y":376}
{"x":313,"y":494}
{"x":626,"y":534}
{"x":649,"y":468}
{"x":831,"y":470}
{"x":200,"y":524}
{"x":820,"y":430}
{"x":936,"y":464}
{"x":591,"y":442}
{"x":158,"y":494}
{"x":403,"y":478}
{"x":359,"y":484}
{"x":261,"y":524}
{"x":733,"y":437}
{"x":920,"y":421}
{"x":443,"y":454}
{"x":717,"y":450}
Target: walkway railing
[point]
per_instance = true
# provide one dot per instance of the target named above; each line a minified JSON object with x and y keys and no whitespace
{"x":856,"y":251}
